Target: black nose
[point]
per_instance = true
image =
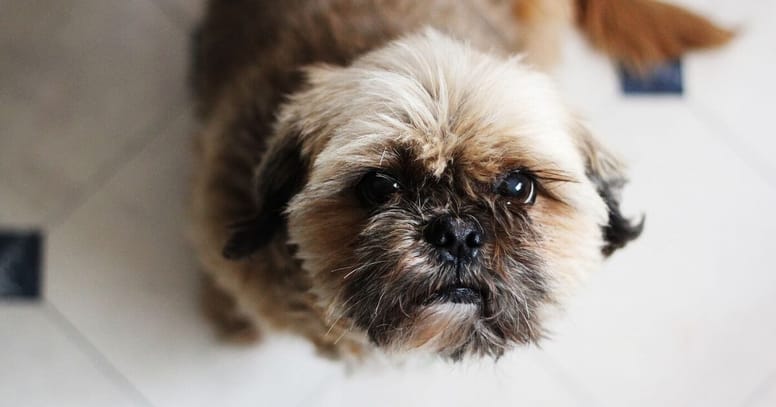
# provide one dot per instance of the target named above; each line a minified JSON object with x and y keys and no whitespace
{"x":457,"y":239}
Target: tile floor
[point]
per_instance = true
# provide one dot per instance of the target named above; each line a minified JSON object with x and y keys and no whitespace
{"x":94,"y":138}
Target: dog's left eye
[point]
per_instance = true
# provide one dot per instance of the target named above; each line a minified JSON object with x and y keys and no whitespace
{"x":377,"y":188}
{"x":518,"y":185}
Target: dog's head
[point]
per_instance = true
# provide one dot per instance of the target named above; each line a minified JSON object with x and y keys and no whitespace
{"x":441,"y":198}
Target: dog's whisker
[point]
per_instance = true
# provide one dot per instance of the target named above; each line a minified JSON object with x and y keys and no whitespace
{"x":364,"y":267}
{"x":344,"y":332}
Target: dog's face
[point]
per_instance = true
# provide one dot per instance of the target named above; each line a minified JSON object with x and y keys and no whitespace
{"x":446,"y":200}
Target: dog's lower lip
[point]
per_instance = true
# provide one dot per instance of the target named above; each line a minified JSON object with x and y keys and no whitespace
{"x":458,"y":295}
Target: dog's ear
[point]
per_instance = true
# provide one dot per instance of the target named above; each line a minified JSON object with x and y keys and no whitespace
{"x":280,"y":175}
{"x":605,"y":171}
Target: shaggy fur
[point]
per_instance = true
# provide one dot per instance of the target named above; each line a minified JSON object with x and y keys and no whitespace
{"x":301,"y":99}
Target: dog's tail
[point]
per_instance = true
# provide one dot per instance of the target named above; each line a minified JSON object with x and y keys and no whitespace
{"x":642,"y":33}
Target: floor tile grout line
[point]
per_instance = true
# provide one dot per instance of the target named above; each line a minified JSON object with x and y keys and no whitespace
{"x":111,"y":167}
{"x":98,"y":359}
{"x":723,"y":133}
{"x":759,"y":390}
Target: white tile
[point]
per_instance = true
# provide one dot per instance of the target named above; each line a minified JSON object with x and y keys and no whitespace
{"x":41,"y":366}
{"x":765,"y":395}
{"x":522,"y":378}
{"x":685,"y":315}
{"x":587,"y":78}
{"x":733,"y":88}
{"x":82,"y":81}
{"x":18,"y":210}
{"x":122,"y":271}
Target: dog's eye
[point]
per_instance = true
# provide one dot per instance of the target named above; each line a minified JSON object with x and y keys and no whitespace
{"x":377,"y":188}
{"x":518,"y":185}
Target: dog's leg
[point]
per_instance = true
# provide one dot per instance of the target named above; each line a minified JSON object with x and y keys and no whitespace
{"x":221,"y":310}
{"x":642,"y":33}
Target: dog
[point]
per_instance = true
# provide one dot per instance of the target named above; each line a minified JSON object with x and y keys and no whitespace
{"x":385,"y":175}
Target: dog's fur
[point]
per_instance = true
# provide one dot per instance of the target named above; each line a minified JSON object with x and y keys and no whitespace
{"x":301,"y":98}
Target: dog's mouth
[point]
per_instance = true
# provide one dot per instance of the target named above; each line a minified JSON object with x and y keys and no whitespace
{"x":456,"y":294}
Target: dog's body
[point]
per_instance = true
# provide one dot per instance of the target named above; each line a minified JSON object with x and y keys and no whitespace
{"x":294,"y":163}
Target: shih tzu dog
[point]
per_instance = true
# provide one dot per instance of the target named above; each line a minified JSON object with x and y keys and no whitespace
{"x":383,"y":174}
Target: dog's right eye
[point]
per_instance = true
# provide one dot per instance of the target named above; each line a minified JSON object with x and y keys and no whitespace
{"x":518,"y":185}
{"x":376,"y":188}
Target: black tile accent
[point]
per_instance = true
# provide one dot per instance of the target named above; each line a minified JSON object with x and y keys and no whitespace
{"x":20,"y":264}
{"x":665,"y":79}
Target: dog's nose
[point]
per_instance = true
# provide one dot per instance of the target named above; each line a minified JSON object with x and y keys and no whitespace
{"x":456,"y":238}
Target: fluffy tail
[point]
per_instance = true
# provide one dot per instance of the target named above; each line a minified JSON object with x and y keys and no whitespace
{"x":642,"y":33}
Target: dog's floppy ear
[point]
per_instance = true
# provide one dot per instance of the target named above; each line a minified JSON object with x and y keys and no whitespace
{"x":280,"y":175}
{"x":606,"y":173}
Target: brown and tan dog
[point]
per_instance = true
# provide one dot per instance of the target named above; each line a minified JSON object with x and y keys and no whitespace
{"x":383,"y":174}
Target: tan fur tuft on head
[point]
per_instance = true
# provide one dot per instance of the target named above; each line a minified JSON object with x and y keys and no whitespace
{"x":642,"y":33}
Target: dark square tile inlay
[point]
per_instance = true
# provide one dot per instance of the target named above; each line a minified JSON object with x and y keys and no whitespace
{"x":664,"y":79}
{"x":20,"y":264}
